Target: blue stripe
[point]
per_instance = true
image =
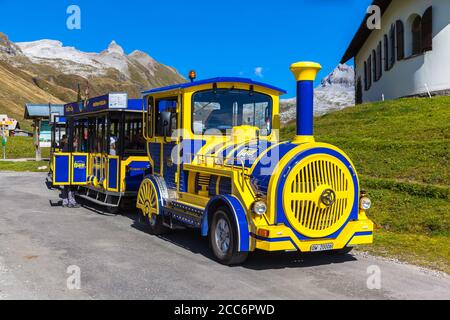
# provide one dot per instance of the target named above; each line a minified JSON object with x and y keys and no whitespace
{"x":359,"y":234}
{"x":275,"y":240}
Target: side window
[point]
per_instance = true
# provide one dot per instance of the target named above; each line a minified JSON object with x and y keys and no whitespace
{"x":166,"y":108}
{"x":134,"y":142}
{"x":150,"y":117}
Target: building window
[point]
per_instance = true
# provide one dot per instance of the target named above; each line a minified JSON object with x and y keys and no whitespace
{"x":427,"y":30}
{"x":416,"y":31}
{"x":400,"y":40}
{"x":369,"y":72}
{"x":386,"y":53}
{"x":392,"y":46}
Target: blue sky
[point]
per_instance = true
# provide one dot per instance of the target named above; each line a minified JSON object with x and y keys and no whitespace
{"x":251,"y":38}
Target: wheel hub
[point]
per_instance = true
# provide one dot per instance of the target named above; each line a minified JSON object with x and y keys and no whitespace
{"x":222,"y":236}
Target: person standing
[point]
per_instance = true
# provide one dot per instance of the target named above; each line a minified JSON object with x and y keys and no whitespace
{"x":68,"y":192}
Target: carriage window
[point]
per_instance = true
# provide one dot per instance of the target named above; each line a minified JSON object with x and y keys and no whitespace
{"x":223,"y":109}
{"x":114,"y":137}
{"x":166,"y":105}
{"x":134,"y":142}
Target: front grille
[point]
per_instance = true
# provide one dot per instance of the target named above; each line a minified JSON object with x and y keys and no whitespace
{"x":304,"y":191}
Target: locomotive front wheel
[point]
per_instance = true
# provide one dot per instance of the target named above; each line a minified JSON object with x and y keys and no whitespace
{"x":223,"y":239}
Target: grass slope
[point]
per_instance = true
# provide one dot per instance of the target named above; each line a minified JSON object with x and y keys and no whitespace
{"x":401,"y":150}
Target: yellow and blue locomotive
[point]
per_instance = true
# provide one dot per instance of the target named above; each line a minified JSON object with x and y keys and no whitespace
{"x":218,"y":165}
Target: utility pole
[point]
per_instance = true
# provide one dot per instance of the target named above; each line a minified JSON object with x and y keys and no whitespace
{"x":37,"y":138}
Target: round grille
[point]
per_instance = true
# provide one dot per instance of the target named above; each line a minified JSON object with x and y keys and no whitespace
{"x":318,"y":196}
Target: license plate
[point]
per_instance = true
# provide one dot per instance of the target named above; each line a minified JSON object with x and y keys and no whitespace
{"x":321,"y":247}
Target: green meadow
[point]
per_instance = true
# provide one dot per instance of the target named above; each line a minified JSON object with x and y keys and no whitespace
{"x":401,"y":149}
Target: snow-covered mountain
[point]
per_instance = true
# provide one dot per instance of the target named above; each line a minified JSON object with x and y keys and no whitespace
{"x":47,"y":71}
{"x":88,"y":64}
{"x":336,"y":92}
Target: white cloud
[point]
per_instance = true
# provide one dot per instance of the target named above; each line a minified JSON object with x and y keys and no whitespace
{"x":259,"y":72}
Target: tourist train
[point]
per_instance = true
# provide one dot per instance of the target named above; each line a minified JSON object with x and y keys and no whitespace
{"x":207,"y":155}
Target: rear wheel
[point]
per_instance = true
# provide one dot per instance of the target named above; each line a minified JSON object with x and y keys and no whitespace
{"x":149,"y":205}
{"x":223,"y":239}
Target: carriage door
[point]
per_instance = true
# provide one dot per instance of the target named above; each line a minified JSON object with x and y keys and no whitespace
{"x":80,"y":157}
{"x":167,"y":112}
{"x":112,"y":144}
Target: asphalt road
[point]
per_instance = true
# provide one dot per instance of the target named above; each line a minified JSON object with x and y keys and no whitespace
{"x":119,"y":260}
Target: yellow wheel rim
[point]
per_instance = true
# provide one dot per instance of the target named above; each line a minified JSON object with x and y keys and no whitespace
{"x":148,"y":199}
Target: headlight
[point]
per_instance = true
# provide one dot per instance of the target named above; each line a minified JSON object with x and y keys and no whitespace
{"x":260,"y":208}
{"x":365,"y":203}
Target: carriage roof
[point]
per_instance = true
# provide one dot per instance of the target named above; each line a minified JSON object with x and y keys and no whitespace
{"x":213,"y":81}
{"x":113,"y":102}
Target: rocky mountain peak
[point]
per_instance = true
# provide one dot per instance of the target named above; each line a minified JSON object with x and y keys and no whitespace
{"x":342,"y":75}
{"x":7,"y":48}
{"x":115,"y":48}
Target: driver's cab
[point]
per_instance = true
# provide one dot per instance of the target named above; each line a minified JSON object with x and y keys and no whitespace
{"x":207,"y":124}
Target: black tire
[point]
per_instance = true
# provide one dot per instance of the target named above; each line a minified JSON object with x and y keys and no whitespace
{"x":340,"y":252}
{"x":155,"y":225}
{"x":223,"y":253}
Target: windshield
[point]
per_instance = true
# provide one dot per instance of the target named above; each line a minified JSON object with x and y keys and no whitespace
{"x":223,"y":109}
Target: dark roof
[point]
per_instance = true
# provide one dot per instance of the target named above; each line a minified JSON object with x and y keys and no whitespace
{"x":33,"y":111}
{"x":363,"y":32}
{"x":214,"y":80}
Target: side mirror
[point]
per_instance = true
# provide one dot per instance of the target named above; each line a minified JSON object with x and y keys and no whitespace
{"x":165,"y":123}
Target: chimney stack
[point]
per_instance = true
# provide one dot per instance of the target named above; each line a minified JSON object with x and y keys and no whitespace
{"x":305,"y":73}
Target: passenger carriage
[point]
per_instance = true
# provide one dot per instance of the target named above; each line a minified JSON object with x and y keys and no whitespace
{"x":106,"y":160}
{"x":218,"y":165}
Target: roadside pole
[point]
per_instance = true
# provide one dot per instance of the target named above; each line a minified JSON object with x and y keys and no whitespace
{"x":37,"y":132}
{"x":4,"y":141}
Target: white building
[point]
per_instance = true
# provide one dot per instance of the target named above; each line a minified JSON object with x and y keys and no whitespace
{"x":408,"y":56}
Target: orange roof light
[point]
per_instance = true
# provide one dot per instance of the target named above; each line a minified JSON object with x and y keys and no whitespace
{"x":192,"y":75}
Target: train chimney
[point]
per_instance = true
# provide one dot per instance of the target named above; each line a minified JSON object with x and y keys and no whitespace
{"x":305,"y":73}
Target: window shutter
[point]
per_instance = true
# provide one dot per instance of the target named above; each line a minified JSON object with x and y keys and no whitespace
{"x":427,"y":30}
{"x":374,"y":66}
{"x":392,"y":45}
{"x":386,"y":53}
{"x":400,"y":40}
{"x":366,"y":86}
{"x":379,"y":62}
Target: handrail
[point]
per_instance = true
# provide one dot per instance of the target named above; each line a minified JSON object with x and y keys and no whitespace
{"x":202,"y":159}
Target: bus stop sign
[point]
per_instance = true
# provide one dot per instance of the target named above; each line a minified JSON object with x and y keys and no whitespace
{"x":4,"y":140}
